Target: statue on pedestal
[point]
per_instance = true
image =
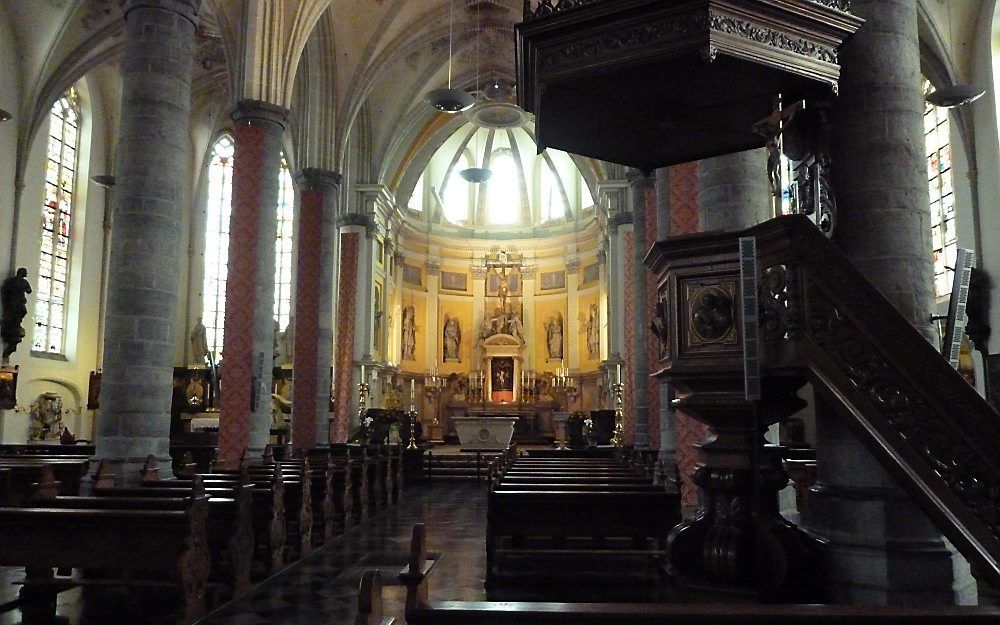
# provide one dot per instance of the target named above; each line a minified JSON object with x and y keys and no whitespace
{"x":13,"y":294}
{"x":199,"y":343}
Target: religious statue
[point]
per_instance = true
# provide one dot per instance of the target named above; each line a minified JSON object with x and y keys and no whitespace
{"x":514,"y":327}
{"x":554,"y":337}
{"x":593,"y":332}
{"x":452,"y":339}
{"x":409,"y":333}
{"x":288,"y":342}
{"x":199,"y":343}
{"x":46,"y":418}
{"x":276,"y":355}
{"x":13,"y":294}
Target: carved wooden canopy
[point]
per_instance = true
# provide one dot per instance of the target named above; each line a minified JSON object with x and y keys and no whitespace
{"x":650,"y":83}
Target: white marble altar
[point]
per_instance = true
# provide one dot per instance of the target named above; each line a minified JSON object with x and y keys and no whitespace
{"x":484,"y":432}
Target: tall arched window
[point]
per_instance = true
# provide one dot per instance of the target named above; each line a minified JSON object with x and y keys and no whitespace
{"x":944,"y":239}
{"x":57,"y":213}
{"x":456,"y":193}
{"x":283,"y":246}
{"x":218,"y":212}
{"x":503,"y":200}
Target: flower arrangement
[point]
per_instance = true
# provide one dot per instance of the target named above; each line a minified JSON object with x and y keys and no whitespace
{"x":588,"y":426}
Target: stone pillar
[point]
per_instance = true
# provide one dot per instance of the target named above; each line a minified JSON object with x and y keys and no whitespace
{"x":352,"y":238}
{"x":638,"y":331}
{"x":882,"y":548}
{"x":248,"y":342}
{"x":143,"y":280}
{"x":733,"y":191}
{"x":667,"y":416}
{"x":318,"y":190}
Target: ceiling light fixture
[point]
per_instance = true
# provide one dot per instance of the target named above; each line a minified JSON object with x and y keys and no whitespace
{"x":450,"y":100}
{"x":106,"y":181}
{"x":954,"y":95}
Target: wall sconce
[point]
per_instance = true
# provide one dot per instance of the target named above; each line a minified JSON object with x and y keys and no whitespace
{"x":4,"y":115}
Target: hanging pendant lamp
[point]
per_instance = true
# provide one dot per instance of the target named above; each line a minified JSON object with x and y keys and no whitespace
{"x":449,"y":100}
{"x":951,"y":96}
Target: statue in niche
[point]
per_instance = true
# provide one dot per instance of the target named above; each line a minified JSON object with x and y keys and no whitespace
{"x":199,"y":343}
{"x":14,"y":296}
{"x":593,"y":332}
{"x":409,"y":333}
{"x":554,"y":337}
{"x":452,"y":339}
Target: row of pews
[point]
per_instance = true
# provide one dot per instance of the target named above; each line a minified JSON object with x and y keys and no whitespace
{"x":206,"y":535}
{"x":420,"y":610}
{"x":550,"y":506}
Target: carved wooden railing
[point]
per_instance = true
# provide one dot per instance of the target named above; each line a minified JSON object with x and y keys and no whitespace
{"x":917,"y":414}
{"x":824,"y":321}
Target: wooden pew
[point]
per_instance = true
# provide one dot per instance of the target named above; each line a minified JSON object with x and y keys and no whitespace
{"x":26,"y":470}
{"x":267,"y":513}
{"x":341,"y":478}
{"x":576,"y":505}
{"x":422,"y":611}
{"x":169,"y":544}
{"x":229,"y":524}
{"x":370,"y":600}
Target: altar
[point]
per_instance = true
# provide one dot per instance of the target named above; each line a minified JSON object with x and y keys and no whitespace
{"x":484,"y":432}
{"x":533,"y":420}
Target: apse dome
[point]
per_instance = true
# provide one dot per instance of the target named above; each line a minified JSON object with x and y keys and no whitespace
{"x":487,"y":175}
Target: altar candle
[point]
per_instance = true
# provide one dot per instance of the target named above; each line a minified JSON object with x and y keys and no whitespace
{"x":362,"y":374}
{"x":413,"y":389}
{"x":619,"y":373}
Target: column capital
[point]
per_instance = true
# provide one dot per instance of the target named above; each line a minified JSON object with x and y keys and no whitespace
{"x":311,"y":178}
{"x":253,"y":111}
{"x":623,"y":218}
{"x":635,"y":176}
{"x":572,"y":265}
{"x":356,"y":219}
{"x":188,"y":9}
{"x":479,"y":271}
{"x":433,"y":266}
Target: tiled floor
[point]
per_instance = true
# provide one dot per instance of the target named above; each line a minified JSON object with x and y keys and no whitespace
{"x":322,"y":589}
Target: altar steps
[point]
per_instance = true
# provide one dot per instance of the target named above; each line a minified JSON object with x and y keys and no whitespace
{"x":465,"y":465}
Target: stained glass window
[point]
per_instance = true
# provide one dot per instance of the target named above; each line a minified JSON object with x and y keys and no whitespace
{"x":944,"y":241}
{"x":57,"y":213}
{"x":283,"y":246}
{"x":218,"y":212}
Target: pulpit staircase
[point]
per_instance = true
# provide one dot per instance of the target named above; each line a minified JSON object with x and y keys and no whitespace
{"x":822,"y":321}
